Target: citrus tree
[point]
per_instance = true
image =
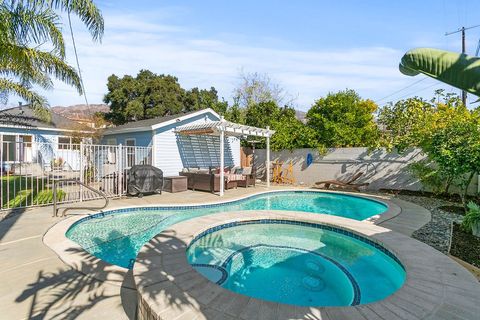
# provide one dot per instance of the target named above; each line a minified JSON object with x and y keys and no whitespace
{"x":446,"y":131}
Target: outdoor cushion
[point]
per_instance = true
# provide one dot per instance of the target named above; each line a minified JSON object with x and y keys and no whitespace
{"x":238,"y":171}
{"x":234,"y":177}
{"x":247,"y":170}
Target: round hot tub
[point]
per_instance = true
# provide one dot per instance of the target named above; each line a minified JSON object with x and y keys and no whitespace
{"x":299,"y":263}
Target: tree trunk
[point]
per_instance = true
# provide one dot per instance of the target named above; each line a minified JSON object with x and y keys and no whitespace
{"x":464,"y":194}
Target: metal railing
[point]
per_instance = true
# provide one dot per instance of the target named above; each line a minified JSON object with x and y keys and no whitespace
{"x":28,"y":169}
{"x":65,"y":209}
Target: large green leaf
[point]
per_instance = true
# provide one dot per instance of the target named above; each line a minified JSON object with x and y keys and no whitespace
{"x":456,"y":69}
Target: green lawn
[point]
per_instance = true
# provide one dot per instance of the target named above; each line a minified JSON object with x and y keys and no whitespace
{"x":22,"y":191}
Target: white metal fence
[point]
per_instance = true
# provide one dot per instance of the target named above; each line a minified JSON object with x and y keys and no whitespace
{"x":28,"y":169}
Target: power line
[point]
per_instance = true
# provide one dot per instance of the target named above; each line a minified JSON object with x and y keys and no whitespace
{"x":76,"y":58}
{"x":394,"y":93}
{"x":420,"y":90}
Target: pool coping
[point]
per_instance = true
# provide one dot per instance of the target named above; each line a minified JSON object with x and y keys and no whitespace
{"x":169,"y":288}
{"x":82,"y":261}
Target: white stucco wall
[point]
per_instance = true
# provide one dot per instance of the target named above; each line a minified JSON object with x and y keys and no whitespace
{"x":383,"y":170}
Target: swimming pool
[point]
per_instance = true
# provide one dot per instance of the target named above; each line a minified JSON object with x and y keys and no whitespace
{"x":116,"y":236}
{"x":304,"y":264}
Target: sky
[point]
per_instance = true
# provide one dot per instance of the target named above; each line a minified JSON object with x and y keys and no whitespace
{"x":308,"y":47}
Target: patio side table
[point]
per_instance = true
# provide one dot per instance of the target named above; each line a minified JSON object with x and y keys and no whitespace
{"x":175,"y":184}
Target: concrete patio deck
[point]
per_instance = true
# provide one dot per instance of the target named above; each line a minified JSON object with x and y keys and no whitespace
{"x":37,"y":284}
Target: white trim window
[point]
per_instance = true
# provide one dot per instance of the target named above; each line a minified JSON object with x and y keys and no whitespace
{"x":68,"y":143}
{"x":130,"y":151}
{"x":16,"y":148}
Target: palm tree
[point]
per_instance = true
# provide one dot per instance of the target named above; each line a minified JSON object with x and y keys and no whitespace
{"x":27,"y":26}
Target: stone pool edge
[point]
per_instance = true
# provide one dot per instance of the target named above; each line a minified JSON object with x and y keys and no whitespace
{"x":168,"y":287}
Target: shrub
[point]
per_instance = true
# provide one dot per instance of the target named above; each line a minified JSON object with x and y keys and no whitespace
{"x":471,"y":222}
{"x":430,"y":177}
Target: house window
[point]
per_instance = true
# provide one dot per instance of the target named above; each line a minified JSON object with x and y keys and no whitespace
{"x":64,"y":143}
{"x":69,"y":143}
{"x":8,"y":148}
{"x":130,"y":152}
{"x":25,"y":148}
{"x":16,"y":148}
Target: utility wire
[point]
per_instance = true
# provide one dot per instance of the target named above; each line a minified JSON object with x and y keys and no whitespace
{"x":76,"y":58}
{"x":394,"y":93}
{"x":420,"y":90}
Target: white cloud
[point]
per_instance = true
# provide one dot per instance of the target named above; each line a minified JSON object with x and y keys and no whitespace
{"x":134,"y":42}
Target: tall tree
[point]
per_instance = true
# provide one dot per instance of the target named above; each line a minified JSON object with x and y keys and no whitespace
{"x":290,"y":133}
{"x":198,"y":99}
{"x":146,"y":96}
{"x":343,"y":119}
{"x":26,"y":28}
{"x":254,"y":88}
{"x":262,"y":114}
{"x":411,"y":122}
{"x":150,"y":95}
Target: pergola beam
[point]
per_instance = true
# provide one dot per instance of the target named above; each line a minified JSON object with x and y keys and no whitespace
{"x":224,"y":128}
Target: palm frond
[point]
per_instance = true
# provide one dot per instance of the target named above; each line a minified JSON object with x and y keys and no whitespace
{"x":11,"y":87}
{"x":45,"y":62}
{"x":37,"y":25}
{"x":37,"y":102}
{"x":86,"y":10}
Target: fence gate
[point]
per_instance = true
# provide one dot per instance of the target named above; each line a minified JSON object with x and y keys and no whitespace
{"x":28,"y":169}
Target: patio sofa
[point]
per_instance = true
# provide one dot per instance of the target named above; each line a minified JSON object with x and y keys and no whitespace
{"x":209,"y":179}
{"x":204,"y":180}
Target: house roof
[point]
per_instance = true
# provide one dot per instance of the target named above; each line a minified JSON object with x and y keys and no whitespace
{"x":155,"y":123}
{"x":25,"y":117}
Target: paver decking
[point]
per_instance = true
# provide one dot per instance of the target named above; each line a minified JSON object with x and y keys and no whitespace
{"x":36,"y":283}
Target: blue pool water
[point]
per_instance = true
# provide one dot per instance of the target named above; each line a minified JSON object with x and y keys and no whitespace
{"x":296,"y":263}
{"x":116,"y":236}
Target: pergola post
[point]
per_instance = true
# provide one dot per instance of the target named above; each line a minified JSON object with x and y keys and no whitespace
{"x":222,"y":161}
{"x":268,"y":157}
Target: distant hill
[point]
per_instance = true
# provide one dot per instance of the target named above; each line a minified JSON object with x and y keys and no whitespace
{"x":80,"y":111}
{"x":83,"y":114}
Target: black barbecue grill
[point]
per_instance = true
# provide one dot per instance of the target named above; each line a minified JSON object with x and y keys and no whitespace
{"x":144,"y":179}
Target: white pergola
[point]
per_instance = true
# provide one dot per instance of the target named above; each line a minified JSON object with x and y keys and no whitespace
{"x":224,"y":128}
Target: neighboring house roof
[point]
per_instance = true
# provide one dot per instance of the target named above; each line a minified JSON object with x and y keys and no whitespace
{"x":158,"y":122}
{"x":24,"y":117}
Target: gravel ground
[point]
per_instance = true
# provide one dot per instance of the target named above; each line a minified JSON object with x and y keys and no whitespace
{"x":437,"y":232}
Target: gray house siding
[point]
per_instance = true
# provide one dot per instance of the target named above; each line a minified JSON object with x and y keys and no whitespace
{"x":173,"y":152}
{"x":142,"y":138}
